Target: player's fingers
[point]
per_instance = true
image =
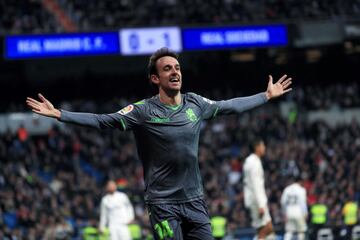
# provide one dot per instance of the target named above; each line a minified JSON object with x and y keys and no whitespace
{"x":33,"y":105}
{"x":282,"y":78}
{"x":270,"y":79}
{"x":32,"y":101}
{"x":47,"y":102}
{"x":29,"y":99}
{"x":287,"y":85}
{"x":286,"y":81}
{"x":287,"y":90}
{"x":42,"y":98}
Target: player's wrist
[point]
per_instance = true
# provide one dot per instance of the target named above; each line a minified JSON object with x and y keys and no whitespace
{"x":267,"y":95}
{"x":57,"y":113}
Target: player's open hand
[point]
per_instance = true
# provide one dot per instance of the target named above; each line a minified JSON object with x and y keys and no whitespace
{"x":43,"y":107}
{"x":279,"y":88}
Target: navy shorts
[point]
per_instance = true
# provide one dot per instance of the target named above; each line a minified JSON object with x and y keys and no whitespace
{"x":189,"y":220}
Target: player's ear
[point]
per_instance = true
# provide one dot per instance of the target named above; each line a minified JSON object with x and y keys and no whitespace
{"x":154,"y":79}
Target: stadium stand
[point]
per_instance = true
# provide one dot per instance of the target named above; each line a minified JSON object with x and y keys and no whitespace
{"x":167,"y":12}
{"x":56,"y":179}
{"x":51,"y":184}
{"x":26,"y":17}
{"x":342,"y":96}
{"x":339,"y":95}
{"x":99,"y":15}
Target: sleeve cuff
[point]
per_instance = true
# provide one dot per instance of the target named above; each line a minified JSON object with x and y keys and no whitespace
{"x":264,"y":97}
{"x":62,"y":115}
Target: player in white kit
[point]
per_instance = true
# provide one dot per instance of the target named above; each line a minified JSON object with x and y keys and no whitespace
{"x":294,"y":206}
{"x":254,"y":191}
{"x":116,"y":212}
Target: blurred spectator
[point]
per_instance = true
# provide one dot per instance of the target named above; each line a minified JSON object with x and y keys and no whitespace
{"x":22,"y":133}
{"x":350,"y":214}
{"x":295,"y":210}
{"x":116,"y":212}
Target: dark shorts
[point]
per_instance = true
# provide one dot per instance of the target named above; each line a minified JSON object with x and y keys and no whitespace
{"x":189,"y":220}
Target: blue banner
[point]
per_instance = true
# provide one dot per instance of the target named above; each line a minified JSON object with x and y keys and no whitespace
{"x":234,"y":37}
{"x":59,"y":45}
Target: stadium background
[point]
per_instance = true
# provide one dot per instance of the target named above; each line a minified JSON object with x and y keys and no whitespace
{"x":52,"y":176}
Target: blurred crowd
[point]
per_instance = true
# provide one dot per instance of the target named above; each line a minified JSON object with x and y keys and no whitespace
{"x":30,"y":16}
{"x":51,"y":185}
{"x":338,"y":95}
{"x":112,"y":14}
{"x":341,"y":96}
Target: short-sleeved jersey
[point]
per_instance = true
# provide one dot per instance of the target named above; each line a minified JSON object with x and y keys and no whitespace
{"x":254,"y":182}
{"x":167,"y":140}
{"x":293,"y":201}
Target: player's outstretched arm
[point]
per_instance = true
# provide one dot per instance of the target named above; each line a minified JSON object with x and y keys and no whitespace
{"x":43,"y":107}
{"x":241,"y":104}
{"x":279,"y":88}
{"x":100,"y":121}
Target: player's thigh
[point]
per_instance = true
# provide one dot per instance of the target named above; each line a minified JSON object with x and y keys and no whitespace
{"x":254,"y":215}
{"x":257,"y":221}
{"x":266,"y":218}
{"x":165,"y":221}
{"x":301,"y":225}
{"x":120,"y":233}
{"x":196,"y":224}
{"x":291,"y":225}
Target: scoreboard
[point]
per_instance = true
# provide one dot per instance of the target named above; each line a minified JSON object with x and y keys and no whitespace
{"x":143,"y":41}
{"x":138,"y":41}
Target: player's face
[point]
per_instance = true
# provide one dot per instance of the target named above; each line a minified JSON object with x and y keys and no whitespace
{"x":261,"y":148}
{"x":111,"y":187}
{"x":169,"y":74}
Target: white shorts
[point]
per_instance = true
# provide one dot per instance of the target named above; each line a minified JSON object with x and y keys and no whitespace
{"x":120,"y":232}
{"x":295,"y":225}
{"x":256,"y":220}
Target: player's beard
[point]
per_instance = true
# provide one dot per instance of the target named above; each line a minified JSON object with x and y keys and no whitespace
{"x":175,"y":86}
{"x":172,"y":88}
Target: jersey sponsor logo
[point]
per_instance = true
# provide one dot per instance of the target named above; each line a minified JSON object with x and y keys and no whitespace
{"x":208,"y":100}
{"x":164,"y":230}
{"x":126,"y":109}
{"x":159,"y":120}
{"x":191,"y":115}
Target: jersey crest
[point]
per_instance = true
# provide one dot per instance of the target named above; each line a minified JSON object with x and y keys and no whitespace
{"x":191,"y":115}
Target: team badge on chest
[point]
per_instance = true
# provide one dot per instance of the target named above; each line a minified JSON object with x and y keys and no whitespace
{"x":191,"y":115}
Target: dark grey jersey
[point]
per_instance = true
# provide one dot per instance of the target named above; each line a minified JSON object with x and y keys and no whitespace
{"x":167,"y":140}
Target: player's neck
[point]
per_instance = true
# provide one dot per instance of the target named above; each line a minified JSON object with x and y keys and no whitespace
{"x":172,"y":99}
{"x":258,"y":155}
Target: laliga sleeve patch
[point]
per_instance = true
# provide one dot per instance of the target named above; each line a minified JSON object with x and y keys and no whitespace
{"x":126,"y":109}
{"x":208,"y":100}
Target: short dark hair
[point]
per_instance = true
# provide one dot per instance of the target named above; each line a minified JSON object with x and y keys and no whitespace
{"x":162,"y":52}
{"x":254,"y":143}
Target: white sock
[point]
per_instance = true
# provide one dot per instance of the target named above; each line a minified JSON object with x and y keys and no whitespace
{"x":272,"y":236}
